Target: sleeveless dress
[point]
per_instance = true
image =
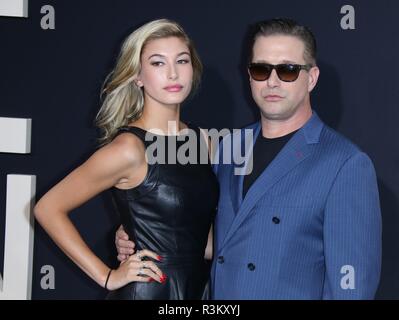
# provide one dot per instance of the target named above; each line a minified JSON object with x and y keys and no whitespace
{"x":170,"y":213}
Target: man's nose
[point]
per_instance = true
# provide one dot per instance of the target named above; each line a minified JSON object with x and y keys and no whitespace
{"x":273,"y":80}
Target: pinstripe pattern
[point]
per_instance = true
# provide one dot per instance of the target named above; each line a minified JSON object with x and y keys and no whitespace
{"x":313,"y":210}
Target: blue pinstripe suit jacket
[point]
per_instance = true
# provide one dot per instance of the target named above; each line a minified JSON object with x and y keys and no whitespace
{"x":308,"y":228}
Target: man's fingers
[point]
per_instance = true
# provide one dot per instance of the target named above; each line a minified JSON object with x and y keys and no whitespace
{"x":127,"y":251}
{"x":122,"y":257}
{"x":124,"y":244}
{"x":121,"y":234}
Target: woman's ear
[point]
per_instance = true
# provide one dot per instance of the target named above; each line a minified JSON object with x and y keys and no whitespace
{"x":138,"y":82}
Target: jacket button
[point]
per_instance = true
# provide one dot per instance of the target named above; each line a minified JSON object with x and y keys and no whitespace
{"x":221,"y":259}
{"x":251,"y":266}
{"x":276,"y":220}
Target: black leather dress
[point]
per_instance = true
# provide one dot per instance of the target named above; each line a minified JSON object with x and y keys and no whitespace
{"x":170,"y":213}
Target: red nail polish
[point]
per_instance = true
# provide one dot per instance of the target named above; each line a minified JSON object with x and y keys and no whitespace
{"x":163,"y":278}
{"x":159,"y":258}
{"x":150,"y":280}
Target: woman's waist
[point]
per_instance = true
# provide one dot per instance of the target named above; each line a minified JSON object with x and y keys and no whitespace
{"x":179,"y":259}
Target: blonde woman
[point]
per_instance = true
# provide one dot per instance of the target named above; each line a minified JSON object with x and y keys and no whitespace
{"x":166,"y":208}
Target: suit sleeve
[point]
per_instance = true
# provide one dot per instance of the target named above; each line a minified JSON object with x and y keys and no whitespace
{"x":352,"y":232}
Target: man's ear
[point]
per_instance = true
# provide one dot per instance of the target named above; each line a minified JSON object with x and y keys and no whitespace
{"x":314,"y":73}
{"x":249,"y":75}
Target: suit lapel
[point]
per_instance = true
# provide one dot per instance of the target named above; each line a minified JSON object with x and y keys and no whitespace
{"x":294,"y":152}
{"x":237,"y":180}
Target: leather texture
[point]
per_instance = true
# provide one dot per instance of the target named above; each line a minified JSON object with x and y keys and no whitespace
{"x":170,"y":213}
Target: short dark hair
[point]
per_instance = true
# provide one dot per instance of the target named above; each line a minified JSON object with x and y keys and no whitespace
{"x":285,"y":26}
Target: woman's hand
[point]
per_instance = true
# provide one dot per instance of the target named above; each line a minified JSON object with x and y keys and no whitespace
{"x":136,"y":269}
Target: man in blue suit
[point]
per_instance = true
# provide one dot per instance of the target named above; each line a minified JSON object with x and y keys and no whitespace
{"x":304,"y":222}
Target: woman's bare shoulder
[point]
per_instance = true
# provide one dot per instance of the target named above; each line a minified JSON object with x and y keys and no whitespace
{"x":127,"y":146}
{"x":124,"y":151}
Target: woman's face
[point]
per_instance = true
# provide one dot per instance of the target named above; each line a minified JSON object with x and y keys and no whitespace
{"x":166,"y":71}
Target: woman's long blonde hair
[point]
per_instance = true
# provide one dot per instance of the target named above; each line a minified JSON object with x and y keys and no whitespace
{"x":124,"y":100}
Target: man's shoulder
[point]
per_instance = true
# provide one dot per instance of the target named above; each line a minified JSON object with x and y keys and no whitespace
{"x":335,"y":142}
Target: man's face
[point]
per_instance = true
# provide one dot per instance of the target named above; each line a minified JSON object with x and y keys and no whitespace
{"x":279,"y":100}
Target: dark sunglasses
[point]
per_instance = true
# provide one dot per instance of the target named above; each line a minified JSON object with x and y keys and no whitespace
{"x":286,"y":72}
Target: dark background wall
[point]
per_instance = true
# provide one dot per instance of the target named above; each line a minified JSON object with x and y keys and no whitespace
{"x":54,"y":77}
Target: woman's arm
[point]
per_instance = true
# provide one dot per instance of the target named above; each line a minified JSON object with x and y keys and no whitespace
{"x":119,"y":162}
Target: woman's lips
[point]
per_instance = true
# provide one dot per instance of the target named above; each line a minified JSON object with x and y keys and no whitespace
{"x":174,"y":88}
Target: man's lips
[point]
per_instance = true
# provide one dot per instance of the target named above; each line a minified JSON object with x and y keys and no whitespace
{"x":273,"y":97}
{"x":174,"y":88}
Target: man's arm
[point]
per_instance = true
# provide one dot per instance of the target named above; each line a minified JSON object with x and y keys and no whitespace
{"x":352,"y":232}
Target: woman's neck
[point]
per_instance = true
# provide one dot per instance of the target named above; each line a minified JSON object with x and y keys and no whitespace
{"x":163,"y":118}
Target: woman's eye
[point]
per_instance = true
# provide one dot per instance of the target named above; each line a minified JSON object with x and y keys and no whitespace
{"x":157,"y":63}
{"x":183,"y":61}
